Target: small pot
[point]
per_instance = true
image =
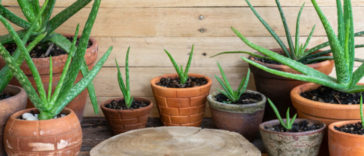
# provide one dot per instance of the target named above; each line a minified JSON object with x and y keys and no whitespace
{"x":9,"y":106}
{"x":244,"y":118}
{"x":181,"y":106}
{"x":125,"y":120}
{"x":291,"y":143}
{"x":42,"y":64}
{"x":341,"y":143}
{"x":61,"y":136}
{"x":277,"y":88}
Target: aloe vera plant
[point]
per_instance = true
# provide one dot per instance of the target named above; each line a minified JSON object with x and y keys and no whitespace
{"x":232,"y":95}
{"x":38,"y":27}
{"x":52,"y":103}
{"x":125,"y":87}
{"x":341,"y":45}
{"x":182,"y":74}
{"x":286,"y":124}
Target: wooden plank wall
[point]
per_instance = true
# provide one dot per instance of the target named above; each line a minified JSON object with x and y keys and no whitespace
{"x":149,"y":26}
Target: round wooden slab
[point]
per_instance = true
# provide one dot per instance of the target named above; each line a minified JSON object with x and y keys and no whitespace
{"x":176,"y":141}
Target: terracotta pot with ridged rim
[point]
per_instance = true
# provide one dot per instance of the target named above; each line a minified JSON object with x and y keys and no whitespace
{"x":241,"y":118}
{"x":61,"y":136}
{"x":121,"y":121}
{"x":341,"y":143}
{"x":278,"y":88}
{"x":292,"y":143}
{"x":9,"y":106}
{"x":181,"y":106}
{"x":42,"y":64}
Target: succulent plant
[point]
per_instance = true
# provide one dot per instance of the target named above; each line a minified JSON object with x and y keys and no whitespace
{"x":182,"y":74}
{"x":286,"y":124}
{"x":125,"y":87}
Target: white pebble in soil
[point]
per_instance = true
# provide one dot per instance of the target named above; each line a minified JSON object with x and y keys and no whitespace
{"x":30,"y":116}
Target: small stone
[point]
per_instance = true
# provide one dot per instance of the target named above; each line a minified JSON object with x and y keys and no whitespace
{"x":29,"y":116}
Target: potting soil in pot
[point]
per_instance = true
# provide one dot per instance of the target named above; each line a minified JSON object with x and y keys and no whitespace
{"x":174,"y":82}
{"x":351,"y":128}
{"x":328,"y":95}
{"x":245,"y":98}
{"x":301,"y":126}
{"x":120,"y":104}
{"x":5,"y":95}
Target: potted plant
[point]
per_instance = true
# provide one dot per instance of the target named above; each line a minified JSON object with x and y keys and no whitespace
{"x":49,"y":128}
{"x":291,"y":136}
{"x":181,"y":97}
{"x":346,"y":137}
{"x":239,"y":110}
{"x":49,"y":44}
{"x":126,"y":113}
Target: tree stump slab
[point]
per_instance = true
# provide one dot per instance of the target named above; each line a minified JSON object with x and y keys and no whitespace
{"x":176,"y":141}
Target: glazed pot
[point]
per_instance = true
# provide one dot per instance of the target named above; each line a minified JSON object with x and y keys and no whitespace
{"x":325,"y":112}
{"x":277,"y":88}
{"x":42,"y":64}
{"x":341,"y":143}
{"x":181,"y":106}
{"x":243,"y":118}
{"x":9,"y":106}
{"x":124,"y":120}
{"x":61,"y":136}
{"x":291,"y":143}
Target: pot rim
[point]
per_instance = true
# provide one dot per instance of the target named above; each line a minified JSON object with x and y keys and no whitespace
{"x":276,"y":121}
{"x":122,"y":110}
{"x":264,"y":99}
{"x":20,"y":92}
{"x":69,"y":115}
{"x":154,"y":81}
{"x":341,"y":123}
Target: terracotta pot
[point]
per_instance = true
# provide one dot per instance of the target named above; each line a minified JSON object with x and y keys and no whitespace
{"x":181,"y":106}
{"x":9,"y":106}
{"x":244,"y":118}
{"x":341,"y":143}
{"x":124,"y":120}
{"x":290,"y":143}
{"x":42,"y":64}
{"x":278,"y":88}
{"x":325,"y":112}
{"x":61,"y":136}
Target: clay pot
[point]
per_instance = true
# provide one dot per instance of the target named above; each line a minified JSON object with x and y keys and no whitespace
{"x":291,"y":143}
{"x":61,"y":136}
{"x":42,"y":64}
{"x":9,"y":106}
{"x":325,"y":112}
{"x":244,"y":118}
{"x":125,"y":120}
{"x":277,"y":88}
{"x":341,"y":143}
{"x":181,"y":106}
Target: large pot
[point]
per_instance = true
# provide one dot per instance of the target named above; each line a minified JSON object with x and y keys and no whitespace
{"x":124,"y":120}
{"x":61,"y":136}
{"x":277,"y":88}
{"x":242,"y":118}
{"x":341,"y":143}
{"x":42,"y":64}
{"x":292,"y":143}
{"x":181,"y":106}
{"x":9,"y":106}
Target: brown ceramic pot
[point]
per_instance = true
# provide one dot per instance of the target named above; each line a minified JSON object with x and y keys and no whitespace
{"x":244,"y":118}
{"x":181,"y":106}
{"x":9,"y":106}
{"x":341,"y":143}
{"x":278,"y":88}
{"x":124,"y":120}
{"x":42,"y":64}
{"x":61,"y":136}
{"x":288,"y":143}
{"x":325,"y":112}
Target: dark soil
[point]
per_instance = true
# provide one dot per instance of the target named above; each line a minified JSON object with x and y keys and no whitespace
{"x":246,"y":98}
{"x":42,"y":50}
{"x":352,"y":128}
{"x":174,"y":82}
{"x":5,"y":95}
{"x":328,"y":95}
{"x":268,"y":61}
{"x":120,"y":104}
{"x":301,"y":126}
